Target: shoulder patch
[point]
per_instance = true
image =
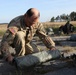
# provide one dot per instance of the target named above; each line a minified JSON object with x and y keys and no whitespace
{"x":13,"y":30}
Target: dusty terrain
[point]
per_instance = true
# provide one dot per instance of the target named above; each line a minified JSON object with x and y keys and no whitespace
{"x":52,"y":67}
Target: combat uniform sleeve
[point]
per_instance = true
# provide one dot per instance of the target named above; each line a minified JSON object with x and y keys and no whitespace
{"x":7,"y":40}
{"x":45,"y":38}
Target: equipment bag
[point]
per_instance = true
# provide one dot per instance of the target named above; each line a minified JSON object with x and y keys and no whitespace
{"x":35,"y":58}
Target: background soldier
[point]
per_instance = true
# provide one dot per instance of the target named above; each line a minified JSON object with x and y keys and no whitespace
{"x":67,"y":28}
{"x":20,"y":32}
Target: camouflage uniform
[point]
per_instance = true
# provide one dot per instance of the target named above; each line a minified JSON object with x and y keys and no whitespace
{"x":18,"y":37}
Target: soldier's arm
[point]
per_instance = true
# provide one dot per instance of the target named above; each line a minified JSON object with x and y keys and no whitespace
{"x":45,"y":38}
{"x":7,"y":40}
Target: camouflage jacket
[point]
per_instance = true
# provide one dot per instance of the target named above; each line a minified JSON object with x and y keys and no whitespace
{"x":18,"y":24}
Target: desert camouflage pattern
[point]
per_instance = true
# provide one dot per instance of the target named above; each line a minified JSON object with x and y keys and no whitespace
{"x":19,"y":36}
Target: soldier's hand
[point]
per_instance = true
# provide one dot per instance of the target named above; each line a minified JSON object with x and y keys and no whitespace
{"x":10,"y":58}
{"x":52,"y":48}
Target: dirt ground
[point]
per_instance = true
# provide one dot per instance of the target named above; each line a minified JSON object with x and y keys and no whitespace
{"x":52,"y":67}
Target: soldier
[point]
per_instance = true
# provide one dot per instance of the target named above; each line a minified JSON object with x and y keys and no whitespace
{"x":68,"y":28}
{"x":20,"y":32}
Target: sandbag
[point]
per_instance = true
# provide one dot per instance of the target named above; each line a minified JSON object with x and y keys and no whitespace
{"x":32,"y":59}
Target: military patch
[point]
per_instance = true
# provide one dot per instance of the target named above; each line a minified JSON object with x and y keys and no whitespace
{"x":13,"y":30}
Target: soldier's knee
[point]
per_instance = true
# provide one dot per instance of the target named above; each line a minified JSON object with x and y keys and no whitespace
{"x":20,"y":34}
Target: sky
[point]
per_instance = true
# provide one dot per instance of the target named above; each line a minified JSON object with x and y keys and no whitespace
{"x":10,"y":9}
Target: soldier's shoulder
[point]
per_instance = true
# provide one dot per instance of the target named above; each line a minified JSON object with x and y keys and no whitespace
{"x":39,"y":24}
{"x":15,"y":21}
{"x":17,"y":18}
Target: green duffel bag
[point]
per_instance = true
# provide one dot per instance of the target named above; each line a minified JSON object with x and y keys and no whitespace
{"x":36,"y":58}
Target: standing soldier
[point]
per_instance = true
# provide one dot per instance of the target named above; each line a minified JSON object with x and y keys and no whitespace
{"x":20,"y":32}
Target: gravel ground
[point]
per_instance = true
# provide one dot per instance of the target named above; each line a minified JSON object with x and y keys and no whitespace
{"x":64,"y":71}
{"x":7,"y":69}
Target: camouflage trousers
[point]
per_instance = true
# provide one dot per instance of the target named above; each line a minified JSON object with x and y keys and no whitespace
{"x":20,"y":47}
